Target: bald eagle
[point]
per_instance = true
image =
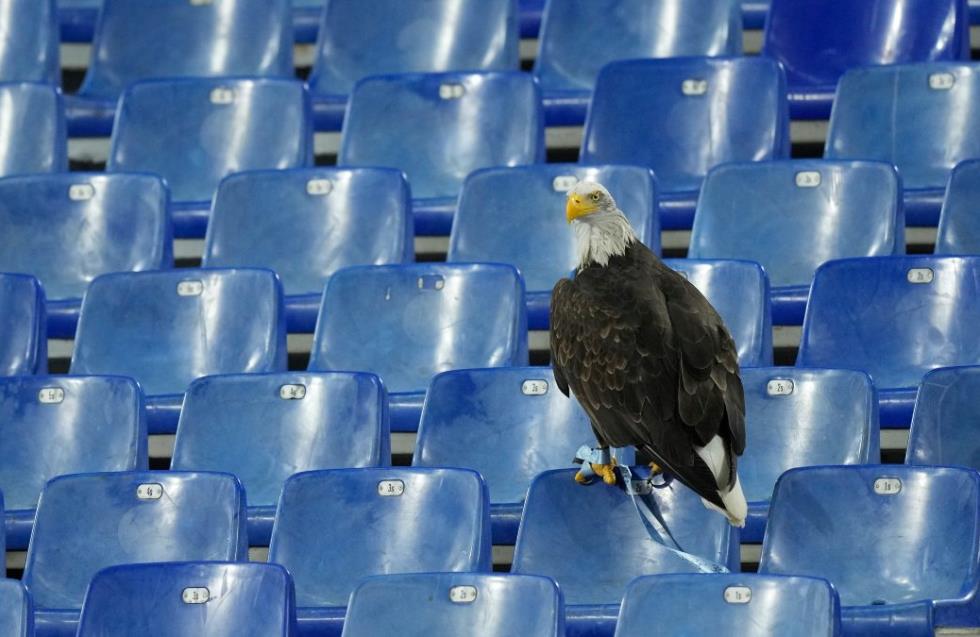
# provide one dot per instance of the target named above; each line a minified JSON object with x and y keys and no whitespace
{"x":648,"y":357}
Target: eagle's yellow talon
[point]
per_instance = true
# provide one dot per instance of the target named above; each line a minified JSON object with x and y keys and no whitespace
{"x":655,"y":469}
{"x":606,"y":471}
{"x":580,"y":478}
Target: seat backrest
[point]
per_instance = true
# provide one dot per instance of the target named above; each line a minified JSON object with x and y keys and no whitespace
{"x":408,"y":323}
{"x":730,"y":606}
{"x":29,"y":49}
{"x":412,"y":37}
{"x":893,"y":317}
{"x":16,"y":609}
{"x":176,"y":599}
{"x":178,"y":38}
{"x":792,"y":216}
{"x":440,"y":127}
{"x":902,"y":114}
{"x":840,"y":523}
{"x":579,"y":38}
{"x":594,"y":561}
{"x":334,"y":527}
{"x":516,"y":215}
{"x":681,"y":117}
{"x":946,"y":419}
{"x":23,"y":326}
{"x":87,"y":522}
{"x":306,"y":224}
{"x":33,"y":134}
{"x":195,"y":132}
{"x":447,"y":604}
{"x":67,"y":229}
{"x":959,"y":222}
{"x":167,"y":328}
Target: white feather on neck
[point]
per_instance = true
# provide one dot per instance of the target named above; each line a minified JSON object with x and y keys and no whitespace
{"x":602,"y":235}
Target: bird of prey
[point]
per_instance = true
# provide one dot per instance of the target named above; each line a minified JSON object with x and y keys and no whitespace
{"x":648,"y":357}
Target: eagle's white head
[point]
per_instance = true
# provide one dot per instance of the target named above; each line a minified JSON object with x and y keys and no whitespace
{"x":601,"y":229}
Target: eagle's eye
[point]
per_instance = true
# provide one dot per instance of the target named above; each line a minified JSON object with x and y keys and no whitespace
{"x":596,"y":196}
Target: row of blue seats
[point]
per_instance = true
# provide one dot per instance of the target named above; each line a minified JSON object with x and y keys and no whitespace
{"x":335,"y":527}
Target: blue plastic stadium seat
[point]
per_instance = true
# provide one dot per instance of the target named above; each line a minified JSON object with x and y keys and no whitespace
{"x":946,"y":419}
{"x":918,"y":117}
{"x":510,"y":424}
{"x":440,"y":127}
{"x":900,"y":544}
{"x":166,"y":329}
{"x":190,"y":598}
{"x":335,"y":527}
{"x":579,"y":38}
{"x":3,"y":540}
{"x":516,"y":215}
{"x":306,"y":224}
{"x":194,"y":132}
{"x":56,"y":425}
{"x":29,"y":49}
{"x":87,"y":522}
{"x":16,"y":610}
{"x":67,"y":229}
{"x":681,"y":117}
{"x":23,"y":344}
{"x":818,"y":41}
{"x":729,"y":606}
{"x":739,"y":291}
{"x":792,"y":216}
{"x":959,"y":221}
{"x":33,"y":138}
{"x":263,"y":428}
{"x":590,"y":539}
{"x":452,"y":604}
{"x":802,"y":417}
{"x":895,"y":318}
{"x":408,"y":323}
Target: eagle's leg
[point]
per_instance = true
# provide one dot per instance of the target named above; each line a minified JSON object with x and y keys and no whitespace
{"x":605,"y":471}
{"x":655,"y":469}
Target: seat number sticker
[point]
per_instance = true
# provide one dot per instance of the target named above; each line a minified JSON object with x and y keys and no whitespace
{"x":921,"y":275}
{"x":195,"y":595}
{"x":462,"y":594}
{"x":391,"y":488}
{"x":941,"y":81}
{"x":319,"y":187}
{"x":534,"y":387}
{"x":780,"y":387}
{"x":808,"y":179}
{"x":51,"y":395}
{"x":564,"y":183}
{"x":451,"y":91}
{"x":222,"y":95}
{"x":190,"y":287}
{"x":694,"y":88}
{"x":149,"y":491}
{"x":738,"y":595}
{"x":888,"y":486}
{"x":81,"y":192}
{"x":292,"y":392}
{"x":431,"y":282}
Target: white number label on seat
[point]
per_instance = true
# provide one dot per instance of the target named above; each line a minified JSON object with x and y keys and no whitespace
{"x":564,"y":183}
{"x":149,"y":491}
{"x":941,"y":81}
{"x":190,"y":287}
{"x":451,"y":91}
{"x":888,"y":486}
{"x":534,"y":387}
{"x":431,"y":282}
{"x":319,"y":187}
{"x":693,"y":88}
{"x":222,"y":95}
{"x":808,"y":179}
{"x":292,"y":392}
{"x":195,"y":595}
{"x":738,"y":594}
{"x":391,"y":488}
{"x":81,"y":192}
{"x":462,"y":594}
{"x":921,"y":275}
{"x":51,"y":395}
{"x":780,"y":387}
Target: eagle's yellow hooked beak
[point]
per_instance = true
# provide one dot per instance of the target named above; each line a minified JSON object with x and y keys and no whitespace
{"x":577,"y":206}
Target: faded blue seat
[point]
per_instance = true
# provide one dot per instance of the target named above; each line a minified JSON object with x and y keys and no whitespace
{"x":792,"y":216}
{"x":67,"y":229}
{"x":451,"y":604}
{"x":900,"y":544}
{"x":516,"y":215}
{"x":406,"y":37}
{"x":263,"y":428}
{"x":56,"y":425}
{"x":23,"y":344}
{"x":29,"y":49}
{"x":946,"y":419}
{"x":440,"y":127}
{"x":87,"y":522}
{"x":818,"y":41}
{"x":306,"y":224}
{"x":579,"y":38}
{"x":16,"y":609}
{"x":590,"y":539}
{"x":335,"y":527}
{"x":802,"y":417}
{"x":739,"y":291}
{"x":166,"y":329}
{"x":902,"y":115}
{"x":895,"y":318}
{"x":959,"y":221}
{"x":408,"y":323}
{"x":34,"y":139}
{"x":190,"y":598}
{"x":194,"y":132}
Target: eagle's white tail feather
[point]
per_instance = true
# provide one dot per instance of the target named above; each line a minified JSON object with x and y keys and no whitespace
{"x":715,"y":456}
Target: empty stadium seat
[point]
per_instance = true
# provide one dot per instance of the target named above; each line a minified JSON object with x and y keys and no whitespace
{"x":306,"y":224}
{"x":3,"y":541}
{"x":516,"y":215}
{"x":802,"y":417}
{"x":406,"y":37}
{"x":56,"y":425}
{"x":167,"y":328}
{"x":817,"y":41}
{"x":180,"y":599}
{"x":918,"y":117}
{"x":895,"y":318}
{"x":452,"y":604}
{"x":263,"y":428}
{"x":792,"y":216}
{"x":681,"y":117}
{"x":900,"y":544}
{"x":23,"y":344}
{"x":16,"y":610}
{"x":959,"y":221}
{"x":32,"y":134}
{"x":440,"y":127}
{"x":29,"y":48}
{"x":946,"y":419}
{"x":67,"y":229}
{"x":739,"y":291}
{"x":335,"y":527}
{"x":409,"y":323}
{"x":194,"y":132}
{"x":87,"y":522}
{"x":579,"y":38}
{"x":591,"y":540}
